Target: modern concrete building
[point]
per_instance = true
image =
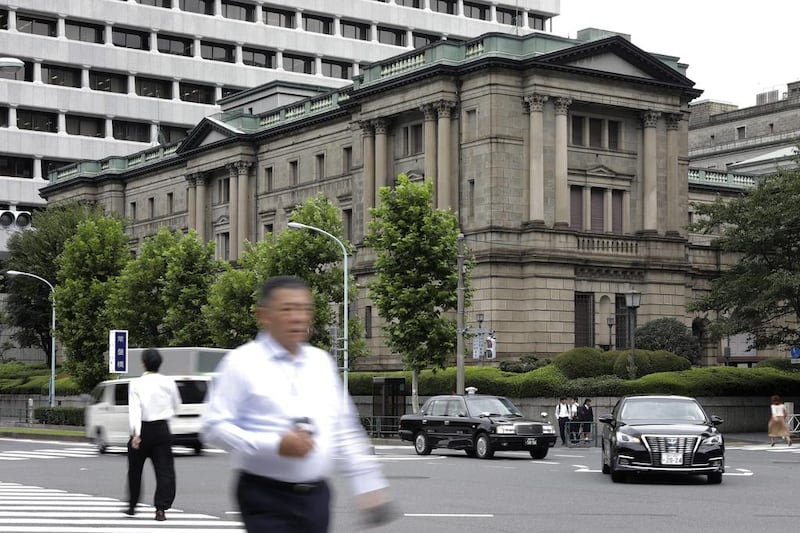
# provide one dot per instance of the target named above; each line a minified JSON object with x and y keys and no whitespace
{"x":566,"y":162}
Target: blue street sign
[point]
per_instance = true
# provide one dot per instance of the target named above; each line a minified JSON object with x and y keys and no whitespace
{"x":795,"y":352}
{"x":118,"y":351}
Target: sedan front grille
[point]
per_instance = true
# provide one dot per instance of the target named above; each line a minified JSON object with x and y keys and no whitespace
{"x":528,"y":429}
{"x":659,"y":445}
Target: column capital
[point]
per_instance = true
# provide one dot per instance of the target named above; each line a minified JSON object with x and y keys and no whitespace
{"x":367,"y":128}
{"x":243,"y":167}
{"x":428,"y":111}
{"x":535,"y":102}
{"x":673,"y":120}
{"x":381,"y":125}
{"x":444,"y":108}
{"x":562,"y":105}
{"x":649,"y":118}
{"x":191,"y":179}
{"x":199,"y":178}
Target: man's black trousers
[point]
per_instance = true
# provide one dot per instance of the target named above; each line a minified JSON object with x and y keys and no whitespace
{"x":157,"y":445}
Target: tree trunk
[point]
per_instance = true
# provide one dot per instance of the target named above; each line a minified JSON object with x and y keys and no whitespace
{"x":415,"y":390}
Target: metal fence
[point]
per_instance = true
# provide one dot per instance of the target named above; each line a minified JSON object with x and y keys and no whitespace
{"x":582,"y":434}
{"x":381,"y":426}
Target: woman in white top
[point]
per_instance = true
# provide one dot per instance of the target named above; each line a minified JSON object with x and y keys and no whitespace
{"x":777,"y":422}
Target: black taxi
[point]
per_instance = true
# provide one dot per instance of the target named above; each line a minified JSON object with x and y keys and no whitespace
{"x":478,"y":424}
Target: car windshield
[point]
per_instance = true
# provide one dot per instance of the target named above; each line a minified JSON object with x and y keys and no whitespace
{"x":480,"y":405}
{"x":192,"y":391}
{"x":651,"y":410}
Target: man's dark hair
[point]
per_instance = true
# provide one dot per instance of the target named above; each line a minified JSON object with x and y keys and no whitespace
{"x":279,"y":282}
{"x":151,"y":358}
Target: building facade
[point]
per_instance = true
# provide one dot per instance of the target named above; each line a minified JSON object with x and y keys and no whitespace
{"x":566,"y":162}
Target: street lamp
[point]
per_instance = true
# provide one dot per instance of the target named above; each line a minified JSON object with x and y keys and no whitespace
{"x":610,"y":322}
{"x":52,"y":393}
{"x":346,"y":336}
{"x":10,"y":64}
{"x":633,"y":299}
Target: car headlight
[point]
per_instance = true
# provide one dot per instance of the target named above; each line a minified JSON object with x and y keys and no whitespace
{"x":506,"y":430}
{"x":713,"y":440}
{"x":624,"y":437}
{"x":548,"y":429}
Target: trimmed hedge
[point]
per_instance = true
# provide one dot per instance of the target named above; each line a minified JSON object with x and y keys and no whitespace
{"x":22,"y":378}
{"x":59,"y":416}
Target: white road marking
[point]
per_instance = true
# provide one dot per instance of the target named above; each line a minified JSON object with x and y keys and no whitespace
{"x":449,"y":515}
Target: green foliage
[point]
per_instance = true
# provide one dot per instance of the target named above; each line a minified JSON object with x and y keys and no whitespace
{"x":526,"y":363}
{"x":585,"y":362}
{"x":648,"y":362}
{"x":25,"y":378}
{"x":717,"y":381}
{"x":778,"y":363}
{"x":547,"y":382}
{"x":60,"y":416}
{"x":760,"y":293}
{"x":664,"y":361}
{"x":28,"y":306}
{"x":91,"y":259}
{"x":416,"y":278}
{"x":229,"y":312}
{"x":668,"y":334}
{"x":595,"y":386}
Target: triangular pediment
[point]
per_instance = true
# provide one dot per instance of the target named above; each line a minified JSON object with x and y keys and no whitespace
{"x":207,"y":132}
{"x":615,"y":56}
{"x":601,"y":170}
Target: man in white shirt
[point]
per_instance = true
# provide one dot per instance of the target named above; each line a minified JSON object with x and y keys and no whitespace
{"x":152,"y":401}
{"x":277,"y":405}
{"x":563,"y":414}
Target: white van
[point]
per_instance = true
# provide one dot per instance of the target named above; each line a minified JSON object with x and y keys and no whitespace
{"x":106,"y":417}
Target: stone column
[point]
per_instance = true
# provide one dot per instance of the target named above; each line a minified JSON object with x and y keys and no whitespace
{"x":673,"y":195}
{"x":233,"y":210}
{"x":153,"y":41}
{"x":381,"y":164}
{"x":61,"y":27}
{"x":260,"y":12}
{"x":561,"y":185}
{"x":176,"y":89}
{"x":37,"y":167}
{"x":444,"y":179}
{"x":85,"y":76}
{"x":217,"y":8}
{"x":12,"y":19}
{"x":37,"y":70}
{"x":587,"y":208}
{"x":109,"y":127}
{"x":429,"y":131}
{"x":535,"y":104}
{"x":649,"y":206}
{"x":108,"y":34}
{"x":61,"y":120}
{"x":191,"y":202}
{"x":12,"y":116}
{"x":132,"y":83}
{"x":608,"y":213}
{"x":368,"y":138}
{"x":243,"y":168}
{"x":200,"y":217}
{"x":197,"y":50}
{"x":626,"y":212}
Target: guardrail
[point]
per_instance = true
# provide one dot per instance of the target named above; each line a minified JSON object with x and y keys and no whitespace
{"x":381,"y":426}
{"x":579,"y":437}
{"x":793,"y":423}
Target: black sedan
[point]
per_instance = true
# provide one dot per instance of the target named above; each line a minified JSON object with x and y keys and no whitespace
{"x":478,"y":424}
{"x":667,"y":434}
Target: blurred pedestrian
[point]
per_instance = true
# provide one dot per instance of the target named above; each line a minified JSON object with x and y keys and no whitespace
{"x":777,"y":427}
{"x":574,"y":420}
{"x":586,"y":416}
{"x":277,"y":405}
{"x":152,"y":400}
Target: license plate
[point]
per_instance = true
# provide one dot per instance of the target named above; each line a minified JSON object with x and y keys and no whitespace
{"x":671,"y":459}
{"x":530,"y":442}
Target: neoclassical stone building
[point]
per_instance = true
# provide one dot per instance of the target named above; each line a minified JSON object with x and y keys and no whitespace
{"x":565,"y":161}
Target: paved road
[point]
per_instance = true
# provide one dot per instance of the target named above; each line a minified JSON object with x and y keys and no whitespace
{"x":66,"y":487}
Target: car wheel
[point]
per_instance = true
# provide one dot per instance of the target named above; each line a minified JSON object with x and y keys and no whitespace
{"x":421,"y":444}
{"x":198,"y":448}
{"x":100,"y":442}
{"x":605,"y":468}
{"x":715,"y":478}
{"x":483,"y":447}
{"x":539,"y":453}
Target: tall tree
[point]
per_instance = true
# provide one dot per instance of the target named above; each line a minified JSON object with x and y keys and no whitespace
{"x":90,"y":261}
{"x":760,"y":293}
{"x":28,"y":307}
{"x":416,"y":279}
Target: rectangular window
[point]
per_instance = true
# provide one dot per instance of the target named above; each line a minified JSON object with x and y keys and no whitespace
{"x":318,"y":24}
{"x":132,"y":211}
{"x":302,"y":64}
{"x":354,"y":30}
{"x":258,"y":58}
{"x":156,"y":3}
{"x":201,"y":94}
{"x":424,"y":39}
{"x":347,"y":159}
{"x":217,"y":51}
{"x":509,"y":16}
{"x":28,"y":119}
{"x":107,"y":81}
{"x":412,"y":140}
{"x":170,"y":203}
{"x":3,"y":19}
{"x":391,"y":36}
{"x":444,"y":6}
{"x":3,"y":117}
{"x":229,"y":91}
{"x":409,"y":3}
{"x":151,"y":208}
{"x":138,"y":40}
{"x":616,"y":212}
{"x":621,"y":321}
{"x":278,"y":17}
{"x":614,"y":128}
{"x":319,"y":164}
{"x":576,"y":207}
{"x":336,"y":69}
{"x":584,"y":319}
{"x":595,"y":133}
{"x":223,"y":190}
{"x":17,"y":167}
{"x":598,"y":209}
{"x":268,"y":229}
{"x":294,"y":173}
{"x":125,"y":130}
{"x":741,"y":133}
{"x":367,"y":321}
{"x":269,"y":173}
{"x":81,"y":31}
{"x":577,"y":130}
{"x":36,"y":25}
{"x":86,"y":126}
{"x":347,"y":224}
{"x":177,"y":46}
{"x":64,"y":76}
{"x":536,"y":22}
{"x":471,"y":124}
{"x":204,"y":7}
{"x":476,"y":11}
{"x":223,"y":246}
{"x":171,"y":134}
{"x":153,"y":88}
{"x":237,"y":11}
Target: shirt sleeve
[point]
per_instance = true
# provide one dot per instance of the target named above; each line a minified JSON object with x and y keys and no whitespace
{"x":134,"y":410}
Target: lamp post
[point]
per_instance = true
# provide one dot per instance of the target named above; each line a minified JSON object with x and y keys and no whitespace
{"x":610,"y":322}
{"x":633,"y":299}
{"x":52,"y":393}
{"x":10,"y":64}
{"x":346,"y":335}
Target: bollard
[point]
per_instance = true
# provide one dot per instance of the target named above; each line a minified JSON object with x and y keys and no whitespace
{"x":30,"y":411}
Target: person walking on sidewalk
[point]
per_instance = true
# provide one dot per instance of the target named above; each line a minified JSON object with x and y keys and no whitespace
{"x":777,"y":427}
{"x":562,"y":414}
{"x":152,"y":400}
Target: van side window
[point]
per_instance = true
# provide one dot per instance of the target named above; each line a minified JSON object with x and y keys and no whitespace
{"x":192,"y":391}
{"x":97,"y":394}
{"x":121,"y":394}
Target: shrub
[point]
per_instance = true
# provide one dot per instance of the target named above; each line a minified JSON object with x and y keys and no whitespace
{"x":610,"y":385}
{"x":662,"y":361}
{"x":622,"y":361}
{"x":526,"y":363}
{"x":60,"y":416}
{"x":668,"y":334}
{"x":585,"y":362}
{"x":779,"y":363}
{"x":547,"y":381}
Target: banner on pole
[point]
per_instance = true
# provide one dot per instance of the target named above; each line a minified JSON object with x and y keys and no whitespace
{"x":118,"y":351}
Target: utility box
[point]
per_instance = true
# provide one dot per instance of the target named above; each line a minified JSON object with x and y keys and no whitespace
{"x":388,"y":405}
